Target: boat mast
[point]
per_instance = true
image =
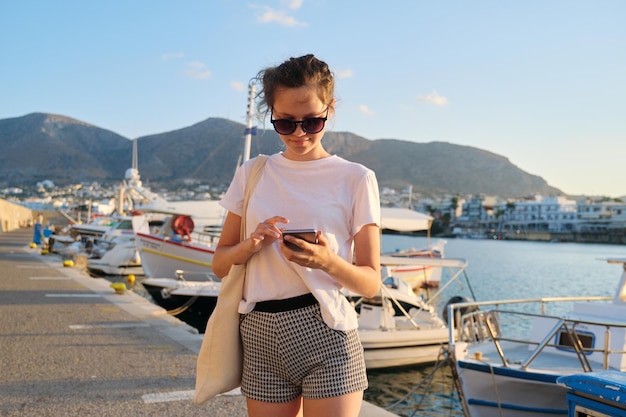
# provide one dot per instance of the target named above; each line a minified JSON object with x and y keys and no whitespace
{"x":250,"y":130}
{"x":135,"y":163}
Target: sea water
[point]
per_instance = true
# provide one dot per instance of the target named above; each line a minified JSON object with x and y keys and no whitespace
{"x":496,"y":269}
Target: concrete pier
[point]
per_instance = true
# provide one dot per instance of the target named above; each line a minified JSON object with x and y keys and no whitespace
{"x":71,"y":346}
{"x":13,"y":216}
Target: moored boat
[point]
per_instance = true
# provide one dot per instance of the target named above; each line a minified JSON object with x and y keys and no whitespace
{"x":507,"y":355}
{"x":186,"y":241}
{"x":400,"y":327}
{"x":418,"y":276}
{"x":190,"y":301}
{"x":114,"y":253}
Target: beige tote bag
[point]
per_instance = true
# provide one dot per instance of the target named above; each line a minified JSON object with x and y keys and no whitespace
{"x":220,"y":360}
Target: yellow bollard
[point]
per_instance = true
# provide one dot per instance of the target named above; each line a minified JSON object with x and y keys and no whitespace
{"x":68,"y":262}
{"x":119,"y":287}
{"x":131,"y":280}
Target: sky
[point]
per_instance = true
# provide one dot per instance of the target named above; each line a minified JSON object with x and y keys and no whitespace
{"x":540,"y":82}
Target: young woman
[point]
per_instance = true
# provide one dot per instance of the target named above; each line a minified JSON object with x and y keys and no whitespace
{"x":302,"y":354}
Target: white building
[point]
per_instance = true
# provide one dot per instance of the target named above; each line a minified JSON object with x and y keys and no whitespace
{"x":549,"y":214}
{"x":601,"y":216}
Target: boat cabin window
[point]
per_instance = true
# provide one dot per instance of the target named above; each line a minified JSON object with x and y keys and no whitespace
{"x":391,"y":282}
{"x":125,"y":225}
{"x":564,"y":342}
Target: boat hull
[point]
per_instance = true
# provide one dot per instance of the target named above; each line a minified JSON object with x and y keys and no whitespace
{"x":395,"y":348}
{"x":191,"y":307}
{"x":418,"y":276}
{"x":163,"y":257}
{"x":503,"y":392}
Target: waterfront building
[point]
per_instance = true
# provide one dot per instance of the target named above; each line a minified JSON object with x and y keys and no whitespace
{"x":601,"y":216}
{"x":545,"y":214}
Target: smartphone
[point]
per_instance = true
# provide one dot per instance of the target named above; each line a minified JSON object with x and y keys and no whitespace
{"x":308,"y":235}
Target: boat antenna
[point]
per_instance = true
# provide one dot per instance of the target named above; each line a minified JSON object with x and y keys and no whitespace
{"x":250,"y":130}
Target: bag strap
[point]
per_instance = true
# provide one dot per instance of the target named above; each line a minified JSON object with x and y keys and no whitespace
{"x":255,"y":174}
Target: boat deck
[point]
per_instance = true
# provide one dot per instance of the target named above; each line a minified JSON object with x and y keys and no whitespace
{"x":516,"y":355}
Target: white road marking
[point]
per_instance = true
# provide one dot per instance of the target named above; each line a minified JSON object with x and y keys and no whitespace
{"x":51,"y":278}
{"x":108,"y":326}
{"x":161,"y":397}
{"x":74,"y":295}
{"x":33,"y":266}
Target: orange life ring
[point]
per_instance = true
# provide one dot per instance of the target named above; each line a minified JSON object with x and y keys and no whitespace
{"x":182,"y":225}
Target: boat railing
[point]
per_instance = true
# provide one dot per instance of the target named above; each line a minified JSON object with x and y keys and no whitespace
{"x":455,"y":268}
{"x":387,"y":294}
{"x":480,"y":322}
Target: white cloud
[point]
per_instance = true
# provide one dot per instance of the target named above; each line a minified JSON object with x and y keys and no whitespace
{"x":366,"y":110}
{"x":172,"y":55}
{"x":197,"y":70}
{"x":293,"y":4}
{"x":347,"y":73}
{"x":237,"y":86}
{"x":433,"y":98}
{"x":280,"y":17}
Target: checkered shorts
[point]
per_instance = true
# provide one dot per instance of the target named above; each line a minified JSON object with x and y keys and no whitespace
{"x":294,"y":353}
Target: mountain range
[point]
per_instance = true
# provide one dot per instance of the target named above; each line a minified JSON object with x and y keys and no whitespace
{"x":41,"y":146}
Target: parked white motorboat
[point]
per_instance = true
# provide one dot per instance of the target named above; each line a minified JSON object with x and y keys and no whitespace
{"x":115,"y":258}
{"x":115,"y":253}
{"x":508,"y":354}
{"x":79,"y":237}
{"x":186,"y":241}
{"x":400,"y":327}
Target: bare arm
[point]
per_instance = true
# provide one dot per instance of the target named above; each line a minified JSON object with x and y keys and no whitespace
{"x":231,"y":250}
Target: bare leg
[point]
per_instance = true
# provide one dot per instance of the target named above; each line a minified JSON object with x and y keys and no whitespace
{"x":263,"y":409}
{"x":347,"y":405}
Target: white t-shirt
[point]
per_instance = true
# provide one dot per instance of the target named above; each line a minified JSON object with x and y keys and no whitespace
{"x":331,"y":194}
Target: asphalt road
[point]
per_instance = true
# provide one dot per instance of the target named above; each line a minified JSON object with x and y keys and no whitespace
{"x":69,"y":346}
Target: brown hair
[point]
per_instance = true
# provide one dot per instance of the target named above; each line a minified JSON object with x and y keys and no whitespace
{"x":293,"y":73}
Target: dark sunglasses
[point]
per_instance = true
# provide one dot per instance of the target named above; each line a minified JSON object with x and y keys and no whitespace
{"x":310,"y":125}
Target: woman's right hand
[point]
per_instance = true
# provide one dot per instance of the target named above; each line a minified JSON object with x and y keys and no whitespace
{"x":231,"y":251}
{"x":266,"y":233}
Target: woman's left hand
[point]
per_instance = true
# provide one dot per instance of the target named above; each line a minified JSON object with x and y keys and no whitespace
{"x":311,"y":255}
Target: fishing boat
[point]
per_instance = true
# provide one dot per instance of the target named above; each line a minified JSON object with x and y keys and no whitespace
{"x":508,"y":355}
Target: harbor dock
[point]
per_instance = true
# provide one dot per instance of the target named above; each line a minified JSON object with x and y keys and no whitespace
{"x":71,"y":345}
